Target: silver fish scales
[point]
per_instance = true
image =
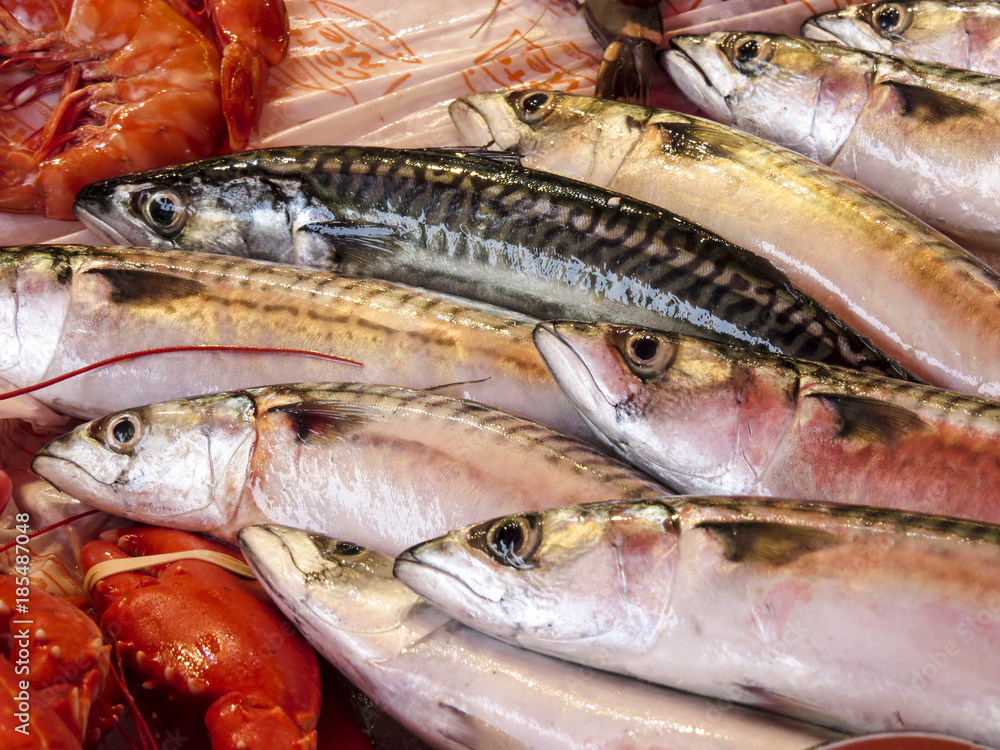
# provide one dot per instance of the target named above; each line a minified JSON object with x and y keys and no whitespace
{"x":62,"y":307}
{"x":385,"y":466}
{"x":828,"y":612}
{"x":478,"y":227}
{"x":409,"y":658}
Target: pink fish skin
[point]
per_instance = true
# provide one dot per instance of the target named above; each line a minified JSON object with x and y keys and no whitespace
{"x":706,"y":418}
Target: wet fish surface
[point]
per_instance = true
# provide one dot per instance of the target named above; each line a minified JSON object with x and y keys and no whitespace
{"x":457,"y":688}
{"x":385,"y":466}
{"x":958,"y":33}
{"x":705,"y":418}
{"x":924,"y":136}
{"x":857,"y":618}
{"x":476,"y":227}
{"x":916,"y":294}
{"x":63,"y":307}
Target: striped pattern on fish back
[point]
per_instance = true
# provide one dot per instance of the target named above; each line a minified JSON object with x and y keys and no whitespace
{"x":692,"y":512}
{"x":624,"y":237}
{"x":224,"y":273}
{"x":762,"y":157}
{"x":557,"y":447}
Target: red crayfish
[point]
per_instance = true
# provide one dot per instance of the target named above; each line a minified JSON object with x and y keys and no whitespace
{"x":209,"y":640}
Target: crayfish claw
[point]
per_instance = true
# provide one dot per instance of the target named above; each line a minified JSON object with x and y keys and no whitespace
{"x":235,"y":724}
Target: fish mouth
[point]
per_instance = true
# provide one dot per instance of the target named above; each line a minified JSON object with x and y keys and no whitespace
{"x":481,"y":119}
{"x":686,"y":66}
{"x":425,"y":577}
{"x":560,"y":356}
{"x":816,"y":28}
{"x":104,"y":231}
{"x":85,"y":487}
{"x":848,"y":32}
{"x":471,"y":124}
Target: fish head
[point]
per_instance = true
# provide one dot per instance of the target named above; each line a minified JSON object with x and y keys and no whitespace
{"x":801,"y":94}
{"x":180,"y":463}
{"x":222,"y":205}
{"x":670,"y":404}
{"x":871,"y":26}
{"x":342,"y":596}
{"x":577,"y":136}
{"x":36,"y":292}
{"x":583,"y":573}
{"x":919,"y":29}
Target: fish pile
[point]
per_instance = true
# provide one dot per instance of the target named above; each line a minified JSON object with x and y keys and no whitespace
{"x":618,"y":428}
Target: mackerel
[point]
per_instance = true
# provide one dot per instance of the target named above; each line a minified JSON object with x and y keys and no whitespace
{"x":857,"y":618}
{"x":706,"y":418}
{"x":917,"y":295}
{"x":65,"y":307}
{"x":958,"y":33}
{"x":385,"y":466}
{"x":476,"y":227}
{"x":457,"y":688}
{"x":924,"y":136}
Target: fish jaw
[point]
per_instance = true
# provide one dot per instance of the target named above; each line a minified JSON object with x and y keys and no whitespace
{"x":573,"y":555}
{"x":482,"y":119}
{"x":595,"y":397}
{"x":703,"y":77}
{"x":342,"y":596}
{"x":174,"y":468}
{"x":35,"y":299}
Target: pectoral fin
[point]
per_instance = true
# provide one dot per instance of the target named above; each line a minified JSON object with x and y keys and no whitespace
{"x":357,"y":243}
{"x":871,"y":420}
{"x":133,"y":287}
{"x":767,"y":543}
{"x":315,"y":422}
{"x":928,"y":106}
{"x":470,"y":731}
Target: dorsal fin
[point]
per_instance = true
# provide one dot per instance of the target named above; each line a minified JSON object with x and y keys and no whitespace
{"x":871,"y":420}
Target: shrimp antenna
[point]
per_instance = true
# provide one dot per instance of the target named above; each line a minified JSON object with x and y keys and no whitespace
{"x":486,"y":20}
{"x":514,"y":42}
{"x":171,"y":350}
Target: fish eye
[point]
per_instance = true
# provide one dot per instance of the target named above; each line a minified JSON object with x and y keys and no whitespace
{"x":890,"y":20}
{"x":164,"y":210}
{"x":123,"y":432}
{"x":648,"y":354}
{"x":511,"y":540}
{"x":750,"y":53}
{"x":531,"y":106}
{"x":348,"y":549}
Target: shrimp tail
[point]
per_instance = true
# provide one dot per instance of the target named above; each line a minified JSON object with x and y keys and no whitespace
{"x":244,"y":76}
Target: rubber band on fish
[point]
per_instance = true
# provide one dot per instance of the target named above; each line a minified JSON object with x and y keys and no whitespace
{"x":171,"y":350}
{"x":112,"y":567}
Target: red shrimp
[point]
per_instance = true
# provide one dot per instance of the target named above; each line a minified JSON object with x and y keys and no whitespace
{"x":139,"y":87}
{"x":252,"y":36}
